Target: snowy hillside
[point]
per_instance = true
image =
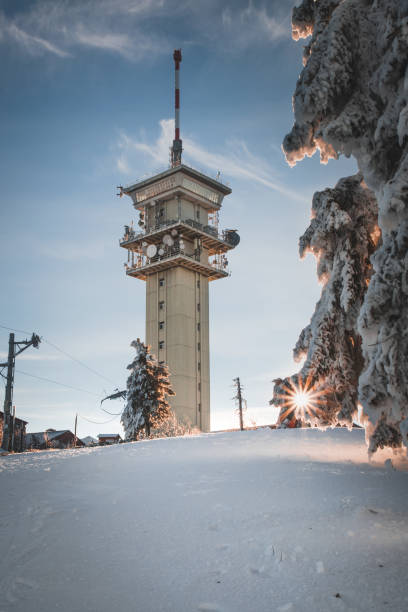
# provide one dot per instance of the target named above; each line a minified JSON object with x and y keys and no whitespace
{"x":245,"y":521}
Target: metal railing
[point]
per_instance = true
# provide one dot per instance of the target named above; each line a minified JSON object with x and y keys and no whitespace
{"x":131,"y":235}
{"x":164,"y":168}
{"x":219,"y":262}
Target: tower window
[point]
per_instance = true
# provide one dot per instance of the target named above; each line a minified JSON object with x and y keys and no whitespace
{"x":161,"y":344}
{"x":198,"y":306}
{"x":161,"y":325}
{"x":199,"y":386}
{"x":162,"y":212}
{"x":198,"y":284}
{"x":198,"y":346}
{"x":198,"y":366}
{"x":161,"y":282}
{"x":199,"y":407}
{"x":161,"y":305}
{"x":198,"y":326}
{"x":198,"y":213}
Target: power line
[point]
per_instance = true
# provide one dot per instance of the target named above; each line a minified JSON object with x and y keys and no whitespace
{"x":77,"y":361}
{"x":97,"y":422}
{"x":57,"y":383}
{"x":19,"y":331}
{"x":63,"y":352}
{"x":112,"y":413}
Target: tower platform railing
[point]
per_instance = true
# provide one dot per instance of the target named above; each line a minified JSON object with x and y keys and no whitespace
{"x":161,"y":169}
{"x":217,"y":262}
{"x":131,"y":235}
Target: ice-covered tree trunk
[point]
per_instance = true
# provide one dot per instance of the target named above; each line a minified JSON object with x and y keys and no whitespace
{"x":342,"y":235}
{"x":352,"y":98}
{"x":148,"y":387}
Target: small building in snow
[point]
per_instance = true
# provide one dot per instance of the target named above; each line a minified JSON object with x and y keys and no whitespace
{"x":109,"y":439}
{"x":51,"y":438}
{"x":18,"y":440}
{"x":89,"y":441}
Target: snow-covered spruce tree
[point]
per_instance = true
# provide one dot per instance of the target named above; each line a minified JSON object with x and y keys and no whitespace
{"x":148,"y":387}
{"x":342,"y":235}
{"x":352,"y":98}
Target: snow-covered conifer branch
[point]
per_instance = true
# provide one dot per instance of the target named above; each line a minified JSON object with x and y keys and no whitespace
{"x":342,"y":236}
{"x":352,"y":98}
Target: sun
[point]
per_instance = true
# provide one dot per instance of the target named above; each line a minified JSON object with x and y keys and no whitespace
{"x":302,"y":399}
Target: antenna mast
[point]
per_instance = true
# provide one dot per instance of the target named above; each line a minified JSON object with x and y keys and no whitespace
{"x":177,"y":143}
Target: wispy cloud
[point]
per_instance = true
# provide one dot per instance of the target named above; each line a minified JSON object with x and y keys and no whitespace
{"x":237,"y":161}
{"x":135,"y":29}
{"x":253,"y":24}
{"x":59,"y":28}
{"x":33,"y":44}
{"x":119,"y":43}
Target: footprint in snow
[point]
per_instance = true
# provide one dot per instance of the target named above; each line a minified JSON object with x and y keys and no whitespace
{"x":258,"y":571}
{"x":19,"y":589}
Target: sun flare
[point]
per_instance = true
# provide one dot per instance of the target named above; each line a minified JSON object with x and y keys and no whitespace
{"x":302,"y":399}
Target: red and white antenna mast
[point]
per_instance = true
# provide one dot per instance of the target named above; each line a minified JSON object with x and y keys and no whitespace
{"x":177,"y":143}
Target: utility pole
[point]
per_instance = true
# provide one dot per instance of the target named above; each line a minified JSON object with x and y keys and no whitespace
{"x":75,"y":430}
{"x":239,"y":398}
{"x":8,"y":399}
{"x":13,"y":427}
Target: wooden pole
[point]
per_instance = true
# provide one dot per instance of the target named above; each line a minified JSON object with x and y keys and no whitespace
{"x":8,"y":395}
{"x":239,"y":398}
{"x":241,"y":418}
{"x":13,"y":428}
{"x":75,"y":429}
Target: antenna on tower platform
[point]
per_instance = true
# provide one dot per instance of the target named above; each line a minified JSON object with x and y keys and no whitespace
{"x":177,"y":142}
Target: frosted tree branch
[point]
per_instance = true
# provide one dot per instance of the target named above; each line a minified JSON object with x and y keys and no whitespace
{"x":352,"y":98}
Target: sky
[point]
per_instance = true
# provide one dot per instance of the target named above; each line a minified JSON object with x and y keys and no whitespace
{"x":86,"y":104}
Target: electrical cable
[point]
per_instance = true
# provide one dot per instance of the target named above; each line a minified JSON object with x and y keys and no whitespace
{"x":97,"y":422}
{"x":57,"y":383}
{"x":115,"y":415}
{"x":63,"y":352}
{"x":78,"y":361}
{"x":112,"y":413}
{"x":20,"y":331}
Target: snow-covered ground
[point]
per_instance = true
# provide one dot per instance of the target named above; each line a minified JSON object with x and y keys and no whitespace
{"x":285,"y":520}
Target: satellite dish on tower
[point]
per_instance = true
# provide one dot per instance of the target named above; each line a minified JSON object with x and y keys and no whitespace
{"x":151,"y":250}
{"x":232,"y":237}
{"x":168,"y":240}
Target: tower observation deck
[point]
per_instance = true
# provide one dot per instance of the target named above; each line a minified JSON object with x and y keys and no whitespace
{"x":177,"y":251}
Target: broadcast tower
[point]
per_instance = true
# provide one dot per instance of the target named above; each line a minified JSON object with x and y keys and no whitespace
{"x":177,"y":252}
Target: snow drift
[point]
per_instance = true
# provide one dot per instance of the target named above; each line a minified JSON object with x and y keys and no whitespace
{"x":253,"y":521}
{"x":352,"y":98}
